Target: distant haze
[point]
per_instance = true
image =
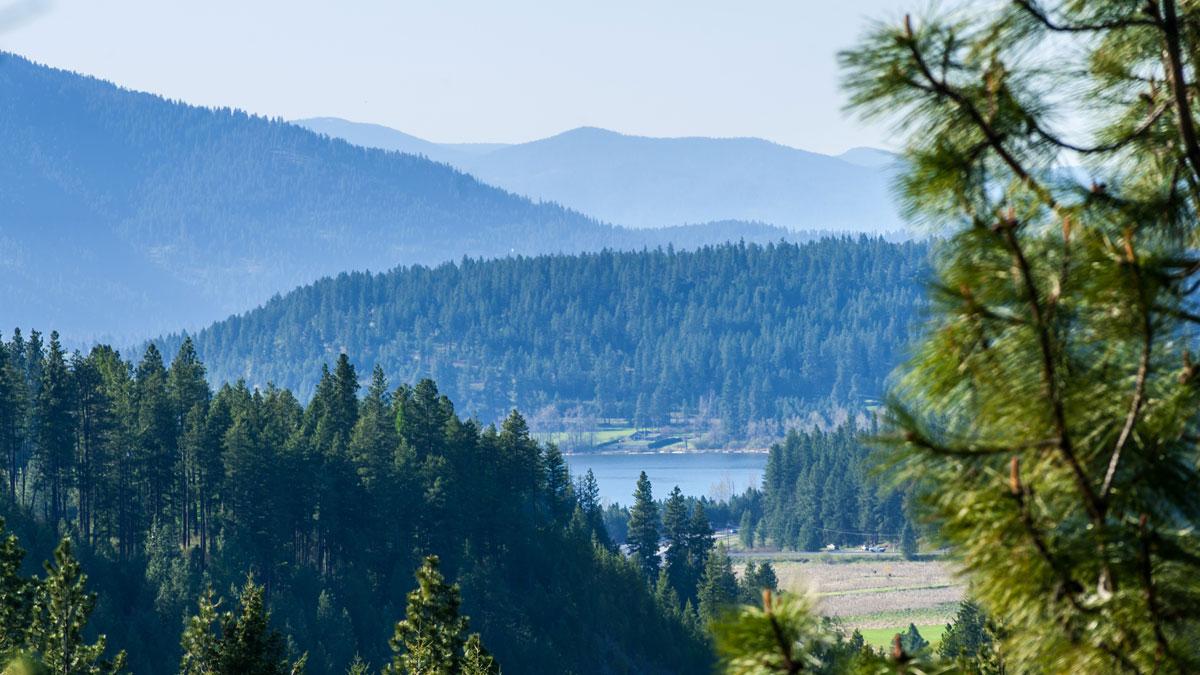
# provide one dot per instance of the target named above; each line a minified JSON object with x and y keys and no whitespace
{"x":478,"y":71}
{"x":653,"y":182}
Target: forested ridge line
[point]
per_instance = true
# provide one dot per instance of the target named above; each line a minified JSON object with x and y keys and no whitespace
{"x":743,"y":339}
{"x":181,"y":214}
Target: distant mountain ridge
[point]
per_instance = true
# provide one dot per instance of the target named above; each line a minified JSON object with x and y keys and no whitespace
{"x":177,"y":215}
{"x":640,"y":181}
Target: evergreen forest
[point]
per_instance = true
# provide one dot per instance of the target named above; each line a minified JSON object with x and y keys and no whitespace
{"x":737,"y":339}
{"x":176,"y":496}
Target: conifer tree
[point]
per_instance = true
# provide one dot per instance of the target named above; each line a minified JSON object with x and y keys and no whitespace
{"x":968,"y":641}
{"x":665,"y":593}
{"x":643,"y":528}
{"x":912,"y":641}
{"x":587,"y":494}
{"x":429,"y":640}
{"x":358,"y":666}
{"x":676,"y":532}
{"x":1049,"y":414}
{"x":746,"y":529}
{"x":558,"y":491}
{"x":700,"y":538}
{"x":12,"y":416}
{"x":189,"y":395}
{"x":343,"y":404}
{"x":16,"y":595}
{"x":238,"y":642}
{"x":248,"y":643}
{"x":60,"y":615}
{"x":94,"y":431}
{"x":476,"y":659}
{"x":156,"y":435}
{"x":432,"y":637}
{"x":201,"y":646}
{"x":55,"y":430}
{"x":718,"y":590}
{"x":373,"y":442}
{"x":756,"y":579}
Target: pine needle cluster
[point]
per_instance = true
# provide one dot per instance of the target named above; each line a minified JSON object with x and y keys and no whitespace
{"x":1051,"y":409}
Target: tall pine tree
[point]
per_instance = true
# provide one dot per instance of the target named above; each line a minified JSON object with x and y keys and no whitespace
{"x":60,"y":615}
{"x":643,"y":528}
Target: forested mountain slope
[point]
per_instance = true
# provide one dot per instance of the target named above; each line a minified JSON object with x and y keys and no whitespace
{"x":743,"y":333}
{"x":651,"y":182}
{"x":177,"y":215}
{"x":167,"y":486}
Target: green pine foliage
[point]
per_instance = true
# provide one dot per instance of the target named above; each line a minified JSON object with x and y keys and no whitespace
{"x":912,"y":641}
{"x":169,"y":487}
{"x":476,"y":659}
{"x":676,"y":525}
{"x":432,"y":637}
{"x":753,"y":336}
{"x":718,"y":588}
{"x":23,"y":664}
{"x":781,"y":633}
{"x":1048,"y":417}
{"x":643,"y":534}
{"x":1047,"y":420}
{"x":17,"y":594}
{"x":235,"y":642}
{"x":61,"y":609}
{"x":755,"y":579}
{"x":970,"y":641}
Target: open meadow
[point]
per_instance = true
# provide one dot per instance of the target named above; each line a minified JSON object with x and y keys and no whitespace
{"x":879,"y":594}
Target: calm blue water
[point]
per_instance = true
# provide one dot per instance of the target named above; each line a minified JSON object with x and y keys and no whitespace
{"x":700,"y":474}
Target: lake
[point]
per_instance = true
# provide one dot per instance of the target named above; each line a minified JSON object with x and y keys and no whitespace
{"x":699,"y":474}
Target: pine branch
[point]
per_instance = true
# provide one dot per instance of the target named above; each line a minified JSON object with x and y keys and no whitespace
{"x":1023,"y":494}
{"x":1155,"y":114}
{"x":969,"y":450}
{"x":1152,"y":606}
{"x":994,"y":138}
{"x":1139,"y":390}
{"x":1050,"y":375}
{"x":1044,"y":18}
{"x":1169,"y":24}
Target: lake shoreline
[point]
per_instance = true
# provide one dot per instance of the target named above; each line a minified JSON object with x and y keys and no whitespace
{"x":652,"y":453}
{"x":714,"y":474}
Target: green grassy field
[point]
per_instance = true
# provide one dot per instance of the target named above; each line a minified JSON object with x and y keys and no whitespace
{"x":599,"y":436}
{"x":607,"y":435}
{"x":882,"y":637}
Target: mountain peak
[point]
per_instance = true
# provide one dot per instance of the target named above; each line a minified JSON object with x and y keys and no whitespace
{"x":871,"y":158}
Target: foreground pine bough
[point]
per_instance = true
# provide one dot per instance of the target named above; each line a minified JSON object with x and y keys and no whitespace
{"x":1049,"y":418}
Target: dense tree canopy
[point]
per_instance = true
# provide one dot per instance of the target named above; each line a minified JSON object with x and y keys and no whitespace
{"x":752,"y":336}
{"x":168,"y":488}
{"x":823,"y":487}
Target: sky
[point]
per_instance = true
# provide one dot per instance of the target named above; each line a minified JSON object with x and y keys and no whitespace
{"x":479,"y":70}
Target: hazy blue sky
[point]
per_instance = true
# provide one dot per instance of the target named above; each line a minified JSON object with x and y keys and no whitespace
{"x":482,"y":70}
